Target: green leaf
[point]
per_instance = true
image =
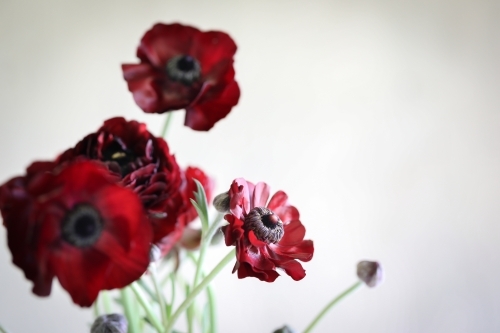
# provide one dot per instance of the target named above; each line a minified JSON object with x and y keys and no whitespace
{"x":201,"y":200}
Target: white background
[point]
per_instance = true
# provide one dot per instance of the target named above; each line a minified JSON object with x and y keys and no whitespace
{"x":380,"y":119}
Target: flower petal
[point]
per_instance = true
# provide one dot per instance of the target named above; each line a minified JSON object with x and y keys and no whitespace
{"x":260,"y":194}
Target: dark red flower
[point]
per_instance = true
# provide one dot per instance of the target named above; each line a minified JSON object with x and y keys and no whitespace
{"x":145,"y":165}
{"x":184,"y":68}
{"x":267,"y":235}
{"x":74,"y":222}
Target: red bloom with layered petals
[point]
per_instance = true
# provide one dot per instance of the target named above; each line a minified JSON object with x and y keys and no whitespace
{"x":267,"y":235}
{"x":144,"y":164}
{"x":75,"y":223}
{"x":184,"y":68}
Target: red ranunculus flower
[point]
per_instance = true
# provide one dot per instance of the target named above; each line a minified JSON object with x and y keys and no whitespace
{"x":75,"y":223}
{"x":267,"y":235}
{"x":144,"y":164}
{"x":184,"y":68}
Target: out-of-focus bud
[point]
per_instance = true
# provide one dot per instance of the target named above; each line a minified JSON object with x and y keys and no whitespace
{"x":370,"y":272}
{"x":154,"y":253}
{"x":221,"y":202}
{"x":111,"y":323}
{"x":191,"y":238}
{"x":284,"y":329}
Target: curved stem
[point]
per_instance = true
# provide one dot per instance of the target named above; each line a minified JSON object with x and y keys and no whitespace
{"x":166,"y":124}
{"x":159,"y":295}
{"x":132,"y":317}
{"x":199,"y":288}
{"x":205,"y":242}
{"x":331,"y":304}
{"x":147,"y":307}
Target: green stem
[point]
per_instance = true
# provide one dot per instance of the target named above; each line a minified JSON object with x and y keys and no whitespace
{"x":95,"y":307}
{"x":147,"y":307}
{"x":199,"y":288}
{"x":106,"y":300}
{"x":166,"y":124}
{"x":3,"y":330}
{"x":205,"y":242}
{"x":331,"y":304}
{"x":132,"y":317}
{"x":161,"y":299}
{"x":211,"y":309}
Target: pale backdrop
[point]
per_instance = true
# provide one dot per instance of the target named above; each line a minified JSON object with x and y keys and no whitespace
{"x":380,"y":119}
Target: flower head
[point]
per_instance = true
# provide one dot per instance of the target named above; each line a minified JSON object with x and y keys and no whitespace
{"x":267,"y":234}
{"x":110,"y":323}
{"x":144,"y":164}
{"x":74,"y":222}
{"x":182,"y":67}
{"x":370,"y":272}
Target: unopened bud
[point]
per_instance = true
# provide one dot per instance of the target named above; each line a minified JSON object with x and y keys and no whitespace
{"x":370,"y":272}
{"x":284,"y":329}
{"x":221,"y":202}
{"x":154,"y":253}
{"x":111,"y":323}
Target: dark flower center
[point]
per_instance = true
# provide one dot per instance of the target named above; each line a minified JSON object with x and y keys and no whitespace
{"x":82,"y":226}
{"x":266,"y":225}
{"x":183,"y":68}
{"x":115,"y":152}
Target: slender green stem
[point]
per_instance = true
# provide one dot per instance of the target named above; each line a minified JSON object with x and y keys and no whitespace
{"x":212,"y":310}
{"x":132,"y":317}
{"x":205,"y":242}
{"x":147,"y":307}
{"x":331,"y":304}
{"x":159,"y":294}
{"x":166,"y":124}
{"x":199,"y":288}
{"x":189,"y":312}
{"x":95,"y":307}
{"x":172,"y":296}
{"x":3,"y":330}
{"x":106,"y":300}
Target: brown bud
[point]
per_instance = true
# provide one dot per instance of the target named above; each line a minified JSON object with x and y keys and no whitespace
{"x":221,"y":202}
{"x":370,"y":272}
{"x":111,"y":323}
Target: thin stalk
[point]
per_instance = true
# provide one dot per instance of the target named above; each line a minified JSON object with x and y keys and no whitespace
{"x":95,"y":307}
{"x":199,"y":288}
{"x":205,"y":242}
{"x":159,"y":295}
{"x":106,"y":300}
{"x":330,"y":305}
{"x":166,"y":124}
{"x":147,"y":307}
{"x":172,"y":296}
{"x":212,"y":310}
{"x":189,"y":312}
{"x":127,"y":302}
{"x":3,"y":330}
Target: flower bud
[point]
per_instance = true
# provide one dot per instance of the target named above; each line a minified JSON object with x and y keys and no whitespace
{"x":111,"y":323}
{"x":221,"y":202}
{"x":370,"y":272}
{"x":284,"y":329}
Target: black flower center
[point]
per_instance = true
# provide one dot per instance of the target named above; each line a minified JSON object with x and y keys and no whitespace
{"x":82,"y":226}
{"x":266,"y":225}
{"x":115,"y":152}
{"x":183,"y":68}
